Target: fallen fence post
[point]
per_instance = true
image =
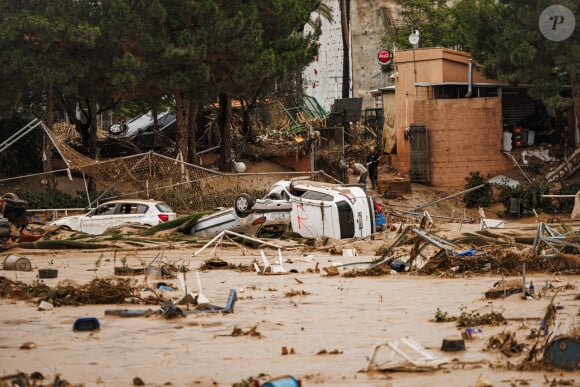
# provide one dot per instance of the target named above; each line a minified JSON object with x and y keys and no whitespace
{"x":446,"y":197}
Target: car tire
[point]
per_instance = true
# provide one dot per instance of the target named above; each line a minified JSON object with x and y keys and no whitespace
{"x":13,"y":200}
{"x":10,"y":195}
{"x":118,"y":129}
{"x":243,"y":205}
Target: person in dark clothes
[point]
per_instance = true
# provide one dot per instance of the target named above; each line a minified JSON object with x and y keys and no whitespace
{"x":373,"y":166}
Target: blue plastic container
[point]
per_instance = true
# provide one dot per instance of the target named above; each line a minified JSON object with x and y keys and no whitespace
{"x":286,"y":381}
{"x":86,"y":324}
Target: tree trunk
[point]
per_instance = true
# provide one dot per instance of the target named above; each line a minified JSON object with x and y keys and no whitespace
{"x":247,"y":129}
{"x":46,"y":143}
{"x":191,"y":136}
{"x":224,"y":123}
{"x":576,"y":101}
{"x":93,"y":151}
{"x":155,"y":134}
{"x":182,"y":105}
{"x":345,"y":22}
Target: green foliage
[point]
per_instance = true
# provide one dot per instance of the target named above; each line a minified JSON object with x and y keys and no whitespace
{"x":53,"y":198}
{"x":524,"y":240}
{"x":433,"y":20}
{"x":180,"y":222}
{"x":503,"y":37}
{"x":474,"y":318}
{"x":482,"y":197}
{"x":474,"y":240}
{"x":62,"y":245}
{"x":565,"y":205}
{"x":441,"y":316}
{"x":529,"y":194}
{"x":190,"y":221}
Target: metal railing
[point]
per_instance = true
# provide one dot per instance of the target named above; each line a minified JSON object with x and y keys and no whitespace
{"x":53,"y":213}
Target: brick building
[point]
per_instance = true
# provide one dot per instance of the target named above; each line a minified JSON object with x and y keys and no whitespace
{"x":449,"y":118}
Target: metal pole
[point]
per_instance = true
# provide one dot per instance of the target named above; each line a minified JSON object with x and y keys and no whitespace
{"x":447,"y":197}
{"x":524,"y":279}
{"x":503,"y":282}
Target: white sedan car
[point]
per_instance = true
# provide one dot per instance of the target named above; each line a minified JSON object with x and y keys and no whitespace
{"x":116,"y":213}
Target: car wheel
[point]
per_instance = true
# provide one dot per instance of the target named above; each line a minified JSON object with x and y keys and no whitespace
{"x":13,"y":200}
{"x":10,"y":195}
{"x":118,"y":129}
{"x":243,"y":205}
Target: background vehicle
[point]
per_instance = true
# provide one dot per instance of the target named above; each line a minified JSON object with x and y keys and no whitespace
{"x":116,"y":213}
{"x":142,"y":124}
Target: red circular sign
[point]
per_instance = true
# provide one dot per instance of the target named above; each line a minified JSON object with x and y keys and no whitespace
{"x":384,"y":57}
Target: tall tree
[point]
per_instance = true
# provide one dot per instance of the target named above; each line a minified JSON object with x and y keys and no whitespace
{"x":40,"y":37}
{"x":162,"y":58}
{"x":432,"y":18}
{"x":257,"y":43}
{"x":505,"y":38}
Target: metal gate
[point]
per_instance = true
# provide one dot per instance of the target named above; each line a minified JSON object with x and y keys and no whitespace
{"x":419,"y":172}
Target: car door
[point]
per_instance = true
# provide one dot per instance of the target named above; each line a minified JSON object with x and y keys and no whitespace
{"x":100,"y":219}
{"x":314,"y":217}
{"x":132,"y":213}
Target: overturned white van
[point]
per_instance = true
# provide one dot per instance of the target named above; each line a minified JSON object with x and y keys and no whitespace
{"x":322,"y":209}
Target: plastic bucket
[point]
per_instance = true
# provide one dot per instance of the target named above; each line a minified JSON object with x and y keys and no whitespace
{"x":15,"y":262}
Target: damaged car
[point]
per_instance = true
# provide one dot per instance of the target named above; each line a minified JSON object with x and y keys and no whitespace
{"x":141,"y":125}
{"x":264,"y":218}
{"x":322,"y":209}
{"x":116,"y":213}
{"x":308,"y":208}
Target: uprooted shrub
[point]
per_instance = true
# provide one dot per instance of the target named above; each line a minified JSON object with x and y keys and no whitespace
{"x":565,"y":205}
{"x":481,"y":197}
{"x":529,"y":195}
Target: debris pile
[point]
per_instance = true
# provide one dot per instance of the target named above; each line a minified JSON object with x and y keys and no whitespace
{"x":506,"y":343}
{"x":68,"y":293}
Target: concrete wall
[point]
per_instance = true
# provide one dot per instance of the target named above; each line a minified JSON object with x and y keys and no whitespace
{"x":464,"y":136}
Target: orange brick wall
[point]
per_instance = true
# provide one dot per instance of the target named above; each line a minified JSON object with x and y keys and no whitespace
{"x":464,"y":136}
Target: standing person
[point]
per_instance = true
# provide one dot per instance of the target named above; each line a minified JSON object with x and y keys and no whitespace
{"x":359,"y":170}
{"x":373,"y":166}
